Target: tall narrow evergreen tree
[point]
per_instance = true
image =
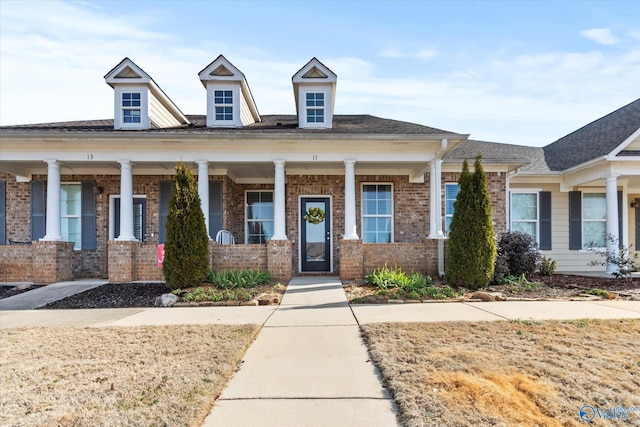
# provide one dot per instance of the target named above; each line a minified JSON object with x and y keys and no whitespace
{"x":472,"y":247}
{"x":187,"y":246}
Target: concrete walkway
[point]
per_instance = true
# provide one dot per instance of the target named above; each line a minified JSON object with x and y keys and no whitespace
{"x":308,"y":367}
{"x":40,"y":297}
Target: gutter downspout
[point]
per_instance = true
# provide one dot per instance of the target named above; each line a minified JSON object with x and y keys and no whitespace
{"x":438,"y":177}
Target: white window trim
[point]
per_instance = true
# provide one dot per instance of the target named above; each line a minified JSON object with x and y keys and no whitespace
{"x":444,"y":218}
{"x":585,"y":244}
{"x":362,"y":215}
{"x":119,"y":109}
{"x":62,"y":215}
{"x":112,"y":214}
{"x":535,"y":191}
{"x":246,"y":217}
{"x":235,"y":105}
{"x":302,"y":103}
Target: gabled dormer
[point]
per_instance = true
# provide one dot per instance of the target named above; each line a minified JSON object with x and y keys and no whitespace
{"x":229,"y":99}
{"x":314,"y":88}
{"x":139,"y":103}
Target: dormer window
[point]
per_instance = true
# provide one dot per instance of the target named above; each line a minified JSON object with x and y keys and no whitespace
{"x":223,"y":100}
{"x":131,"y":107}
{"x":315,"y":107}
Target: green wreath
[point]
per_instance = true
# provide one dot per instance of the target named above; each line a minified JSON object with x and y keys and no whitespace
{"x":314,"y":216}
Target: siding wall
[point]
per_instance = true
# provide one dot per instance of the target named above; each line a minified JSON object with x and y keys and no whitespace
{"x":159,"y":115}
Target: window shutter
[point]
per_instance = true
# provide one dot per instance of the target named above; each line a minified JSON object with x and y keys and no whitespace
{"x":165,"y":195}
{"x":3,"y":214}
{"x":575,"y":220}
{"x":88,"y":226}
{"x":620,"y":219}
{"x":545,"y":220}
{"x":38,"y":210}
{"x":116,"y":217}
{"x":215,"y":208}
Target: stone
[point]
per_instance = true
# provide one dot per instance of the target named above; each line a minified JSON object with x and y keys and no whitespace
{"x":483,"y":296}
{"x":249,"y":303}
{"x":166,"y":300}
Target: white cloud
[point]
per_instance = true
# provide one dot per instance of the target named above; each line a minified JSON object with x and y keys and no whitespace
{"x":602,"y":36}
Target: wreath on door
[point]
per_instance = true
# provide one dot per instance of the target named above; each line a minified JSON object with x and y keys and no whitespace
{"x":314,"y":215}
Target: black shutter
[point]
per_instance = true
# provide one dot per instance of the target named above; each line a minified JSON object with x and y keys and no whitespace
{"x":165,"y":195}
{"x":545,"y":220}
{"x":3,"y":214}
{"x":88,"y":226}
{"x":575,"y":220}
{"x":116,"y":217}
{"x":38,"y":210}
{"x":620,"y":219}
{"x":215,"y":208}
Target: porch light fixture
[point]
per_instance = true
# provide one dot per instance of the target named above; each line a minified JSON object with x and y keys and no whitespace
{"x":635,"y":203}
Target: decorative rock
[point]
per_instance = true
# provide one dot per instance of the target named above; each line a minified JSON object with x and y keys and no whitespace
{"x":395,"y":301}
{"x":251,"y":303}
{"x":483,"y":296}
{"x":166,"y":300}
{"x":412,"y":301}
{"x":635,"y":297}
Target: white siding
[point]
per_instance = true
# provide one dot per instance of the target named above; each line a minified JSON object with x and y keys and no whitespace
{"x":566,"y":260}
{"x":160,"y":117}
{"x":635,"y":145}
{"x":245,"y":113}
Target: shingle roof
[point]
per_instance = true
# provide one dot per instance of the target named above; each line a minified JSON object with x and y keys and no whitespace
{"x":596,"y":139}
{"x":342,"y":124}
{"x":493,"y":152}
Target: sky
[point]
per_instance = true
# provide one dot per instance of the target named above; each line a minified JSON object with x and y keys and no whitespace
{"x":515,"y":72}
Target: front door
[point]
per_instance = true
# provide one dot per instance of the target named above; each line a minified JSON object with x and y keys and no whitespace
{"x":315,"y":233}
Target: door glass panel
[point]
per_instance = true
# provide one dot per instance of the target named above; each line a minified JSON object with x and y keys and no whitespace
{"x":315,"y":236}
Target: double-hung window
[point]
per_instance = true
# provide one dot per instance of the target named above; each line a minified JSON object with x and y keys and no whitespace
{"x":131,"y":107}
{"x":450,"y":194}
{"x":315,"y":107}
{"x":71,"y":214}
{"x":524,"y":213}
{"x":259,"y":216}
{"x":223,"y":101}
{"x":594,"y":219}
{"x":377,"y":213}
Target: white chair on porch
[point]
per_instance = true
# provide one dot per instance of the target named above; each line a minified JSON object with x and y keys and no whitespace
{"x":224,"y":237}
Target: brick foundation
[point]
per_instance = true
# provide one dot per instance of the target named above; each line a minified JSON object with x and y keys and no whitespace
{"x":351,"y":260}
{"x":279,"y":260}
{"x":16,"y":263}
{"x":410,"y":257}
{"x":122,"y":261}
{"x":237,"y":257}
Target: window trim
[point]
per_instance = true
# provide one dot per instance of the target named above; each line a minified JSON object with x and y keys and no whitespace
{"x":143,"y":108}
{"x":326,"y":120}
{"x":246,"y":217}
{"x":362,"y":207}
{"x":585,"y":244}
{"x":224,"y":105}
{"x":535,"y":191}
{"x":445,"y":226}
{"x":77,"y":245}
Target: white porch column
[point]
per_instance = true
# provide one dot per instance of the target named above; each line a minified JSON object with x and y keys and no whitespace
{"x":126,"y":202}
{"x":435,"y":191}
{"x":52,"y":232}
{"x":613,"y":239}
{"x":203,"y":191}
{"x":350,"y":232}
{"x":279,"y":215}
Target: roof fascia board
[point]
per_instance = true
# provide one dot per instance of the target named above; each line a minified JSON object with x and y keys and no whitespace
{"x":111,"y":78}
{"x":624,"y":144}
{"x":205,"y":74}
{"x":314,"y":62}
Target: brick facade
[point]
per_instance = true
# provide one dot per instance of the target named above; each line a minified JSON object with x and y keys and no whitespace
{"x":126,"y":261}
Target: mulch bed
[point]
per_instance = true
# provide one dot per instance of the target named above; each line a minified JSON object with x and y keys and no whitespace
{"x":114,"y":295}
{"x":7,"y":291}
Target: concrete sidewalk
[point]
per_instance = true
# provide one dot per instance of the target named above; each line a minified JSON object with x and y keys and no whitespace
{"x":40,"y":297}
{"x":308,"y":367}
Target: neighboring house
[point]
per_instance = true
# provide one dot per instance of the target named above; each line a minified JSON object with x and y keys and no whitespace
{"x":90,"y":198}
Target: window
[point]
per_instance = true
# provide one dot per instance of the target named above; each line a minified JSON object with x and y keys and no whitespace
{"x":259,"y":216}
{"x":223,"y":101}
{"x":71,"y":215}
{"x":377,"y":213}
{"x":315,"y":107}
{"x":594,"y":218}
{"x":131,"y":107}
{"x":450,"y":194}
{"x":139,"y":217}
{"x":524,"y":214}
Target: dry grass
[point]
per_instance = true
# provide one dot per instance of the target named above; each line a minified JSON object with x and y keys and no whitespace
{"x":143,"y":376}
{"x":508,"y":373}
